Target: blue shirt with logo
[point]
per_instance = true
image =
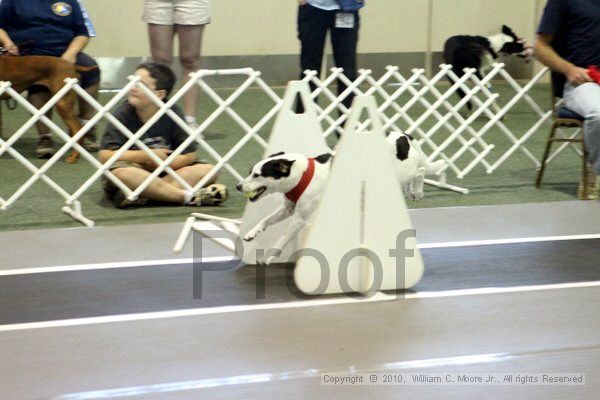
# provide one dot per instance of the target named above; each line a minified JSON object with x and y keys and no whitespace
{"x":44,"y":27}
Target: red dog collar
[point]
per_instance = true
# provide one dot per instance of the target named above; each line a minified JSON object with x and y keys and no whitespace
{"x":294,"y":194}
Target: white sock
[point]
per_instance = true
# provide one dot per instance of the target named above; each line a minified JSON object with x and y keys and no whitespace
{"x":190,"y":119}
{"x":187,"y":199}
{"x":83,"y":121}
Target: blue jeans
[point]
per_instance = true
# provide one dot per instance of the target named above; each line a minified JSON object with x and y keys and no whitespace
{"x":585,"y":101}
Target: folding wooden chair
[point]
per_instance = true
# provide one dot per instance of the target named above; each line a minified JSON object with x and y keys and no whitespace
{"x":562,"y":117}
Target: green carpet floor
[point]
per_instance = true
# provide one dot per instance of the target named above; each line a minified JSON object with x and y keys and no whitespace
{"x":40,"y":207}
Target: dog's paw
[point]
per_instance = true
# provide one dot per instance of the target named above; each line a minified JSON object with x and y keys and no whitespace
{"x":249,"y":237}
{"x":416,"y":196}
{"x":252,"y":233}
{"x":264,"y":261}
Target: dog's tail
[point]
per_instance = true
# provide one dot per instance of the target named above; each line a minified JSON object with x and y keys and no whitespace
{"x":429,"y":167}
{"x":435,"y":167}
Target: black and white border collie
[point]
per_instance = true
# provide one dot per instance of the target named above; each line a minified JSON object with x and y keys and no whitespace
{"x":302,"y":180}
{"x":480,"y":52}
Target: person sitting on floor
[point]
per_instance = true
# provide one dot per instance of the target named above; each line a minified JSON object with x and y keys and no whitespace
{"x":135,"y":165}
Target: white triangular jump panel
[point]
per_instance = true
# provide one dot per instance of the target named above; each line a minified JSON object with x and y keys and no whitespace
{"x":292,"y":133}
{"x":362,"y":208}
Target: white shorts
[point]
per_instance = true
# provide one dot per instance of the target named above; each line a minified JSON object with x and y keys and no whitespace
{"x":180,"y":12}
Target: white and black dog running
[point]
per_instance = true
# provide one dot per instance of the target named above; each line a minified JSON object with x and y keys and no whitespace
{"x":480,"y":52}
{"x":302,"y":181}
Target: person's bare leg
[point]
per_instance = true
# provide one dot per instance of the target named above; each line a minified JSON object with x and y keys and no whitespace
{"x":159,"y":189}
{"x":161,"y":42}
{"x":192,"y":174}
{"x":38,"y":100}
{"x":190,"y":42}
{"x":86,"y":111}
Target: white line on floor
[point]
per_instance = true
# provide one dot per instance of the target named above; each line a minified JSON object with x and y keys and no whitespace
{"x":112,"y":265}
{"x":377,"y":297}
{"x":467,"y":243}
{"x":178,"y":261}
{"x":496,"y":290}
{"x":193,"y":312}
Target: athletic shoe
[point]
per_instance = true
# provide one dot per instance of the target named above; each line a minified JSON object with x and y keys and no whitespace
{"x":212,"y":195}
{"x":89,"y":143}
{"x":45,"y":147}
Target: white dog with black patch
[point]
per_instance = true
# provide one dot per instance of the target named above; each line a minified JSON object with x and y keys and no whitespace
{"x":302,"y":180}
{"x":411,"y":164}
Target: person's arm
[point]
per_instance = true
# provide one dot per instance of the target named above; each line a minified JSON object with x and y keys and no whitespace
{"x":183,"y":160}
{"x":545,"y":54}
{"x":142,"y":158}
{"x":8,"y":44}
{"x":6,"y":17}
{"x":77,"y":44}
{"x":136,"y":156}
{"x":113,"y":139}
{"x":83,"y":30}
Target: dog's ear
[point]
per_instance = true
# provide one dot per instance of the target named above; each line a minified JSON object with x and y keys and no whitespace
{"x":276,"y":154}
{"x":509,"y":32}
{"x":283,"y":167}
{"x":277,"y":169}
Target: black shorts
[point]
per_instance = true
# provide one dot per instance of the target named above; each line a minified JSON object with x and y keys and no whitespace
{"x":87,"y":79}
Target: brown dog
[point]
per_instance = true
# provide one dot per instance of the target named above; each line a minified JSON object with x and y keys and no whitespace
{"x":51,"y":72}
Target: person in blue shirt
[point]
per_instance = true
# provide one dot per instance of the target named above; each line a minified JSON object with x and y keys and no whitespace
{"x":51,"y":28}
{"x":315,"y":18}
{"x":568,"y":41}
